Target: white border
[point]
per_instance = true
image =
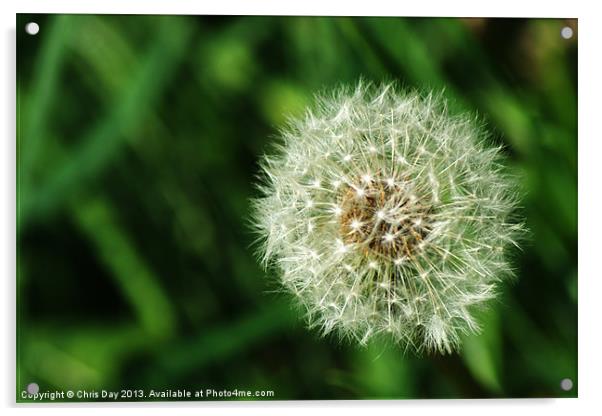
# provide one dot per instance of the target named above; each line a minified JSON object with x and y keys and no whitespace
{"x":508,"y":8}
{"x":590,"y":186}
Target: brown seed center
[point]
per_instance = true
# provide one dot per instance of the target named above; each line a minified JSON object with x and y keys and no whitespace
{"x":384,"y":217}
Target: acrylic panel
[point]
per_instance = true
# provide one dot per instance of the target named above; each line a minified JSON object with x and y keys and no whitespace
{"x":295,"y":208}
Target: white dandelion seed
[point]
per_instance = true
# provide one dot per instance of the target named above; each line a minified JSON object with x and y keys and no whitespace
{"x":337,"y":210}
{"x":356,"y":225}
{"x":407,"y":240}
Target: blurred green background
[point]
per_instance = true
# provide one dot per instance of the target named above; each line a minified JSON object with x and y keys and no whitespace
{"x":138,"y":142}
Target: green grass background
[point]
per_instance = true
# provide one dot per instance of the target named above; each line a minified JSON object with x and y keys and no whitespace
{"x":138,"y":142}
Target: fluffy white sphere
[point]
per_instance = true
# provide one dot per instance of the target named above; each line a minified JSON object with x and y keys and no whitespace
{"x":383,"y":214}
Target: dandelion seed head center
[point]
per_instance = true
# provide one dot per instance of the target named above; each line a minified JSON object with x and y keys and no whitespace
{"x":363,"y":223}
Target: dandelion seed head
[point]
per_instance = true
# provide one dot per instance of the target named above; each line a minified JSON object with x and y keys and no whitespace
{"x":410,"y":231}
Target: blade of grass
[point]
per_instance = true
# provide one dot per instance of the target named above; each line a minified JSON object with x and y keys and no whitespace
{"x":349,"y":30}
{"x":106,"y":138}
{"x":45,"y":84}
{"x":222,"y":342}
{"x":90,"y":357}
{"x":482,"y":353}
{"x":138,"y":283}
{"x":412,"y":57}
